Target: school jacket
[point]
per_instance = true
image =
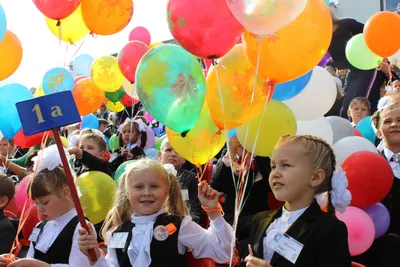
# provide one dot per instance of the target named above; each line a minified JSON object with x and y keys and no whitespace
{"x":7,"y":233}
{"x":323,"y":236}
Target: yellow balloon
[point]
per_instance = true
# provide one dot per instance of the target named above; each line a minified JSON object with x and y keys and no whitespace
{"x":278,"y":120}
{"x":201,"y":143}
{"x":97,"y":192}
{"x":155,"y":44}
{"x":39,"y":91}
{"x":115,"y":106}
{"x":72,"y":28}
{"x":64,"y":141}
{"x":105,"y":74}
{"x":235,"y":81}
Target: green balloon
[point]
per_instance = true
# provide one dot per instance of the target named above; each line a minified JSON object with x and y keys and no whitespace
{"x":359,"y":55}
{"x":113,"y":143}
{"x":159,"y":142}
{"x":121,"y":169}
{"x":115,"y":96}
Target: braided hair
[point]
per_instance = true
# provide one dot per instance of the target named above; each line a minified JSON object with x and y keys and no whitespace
{"x":322,"y":156}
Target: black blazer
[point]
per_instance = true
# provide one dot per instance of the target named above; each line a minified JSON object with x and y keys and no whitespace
{"x":323,"y":236}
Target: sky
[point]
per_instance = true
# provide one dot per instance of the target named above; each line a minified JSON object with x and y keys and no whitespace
{"x":42,"y":51}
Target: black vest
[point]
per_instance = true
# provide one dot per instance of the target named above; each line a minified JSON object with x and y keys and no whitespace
{"x":60,"y":250}
{"x":162,"y":253}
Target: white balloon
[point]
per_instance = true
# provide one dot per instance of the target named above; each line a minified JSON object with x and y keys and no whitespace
{"x":395,"y":59}
{"x":318,"y":127}
{"x":341,"y":128}
{"x":349,"y":145}
{"x":317,"y":97}
{"x":1,"y":136}
{"x":130,"y":89}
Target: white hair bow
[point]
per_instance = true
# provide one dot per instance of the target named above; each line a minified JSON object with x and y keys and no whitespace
{"x":340,"y":195}
{"x":49,"y":158}
{"x":141,"y":125}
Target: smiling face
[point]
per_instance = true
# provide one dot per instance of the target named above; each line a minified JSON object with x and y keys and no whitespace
{"x":389,"y":127}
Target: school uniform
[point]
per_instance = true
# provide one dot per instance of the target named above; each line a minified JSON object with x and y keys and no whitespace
{"x":142,"y":246}
{"x":135,"y":153}
{"x":88,"y":162}
{"x":320,"y":239}
{"x":56,"y":242}
{"x":7,"y":233}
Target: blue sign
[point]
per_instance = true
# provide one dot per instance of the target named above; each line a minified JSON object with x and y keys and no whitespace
{"x":47,"y":112}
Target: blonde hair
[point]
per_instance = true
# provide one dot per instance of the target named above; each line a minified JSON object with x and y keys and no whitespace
{"x":377,"y":117}
{"x":360,"y":100}
{"x":121,"y":210}
{"x":322,"y":157}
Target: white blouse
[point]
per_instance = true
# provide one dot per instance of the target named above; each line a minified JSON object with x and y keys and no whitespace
{"x":49,"y":234}
{"x":279,"y":226}
{"x":395,"y":166}
{"x":215,"y":242}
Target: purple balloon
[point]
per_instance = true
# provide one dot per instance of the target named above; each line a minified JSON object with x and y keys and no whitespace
{"x":325,"y":60}
{"x":381,"y":218}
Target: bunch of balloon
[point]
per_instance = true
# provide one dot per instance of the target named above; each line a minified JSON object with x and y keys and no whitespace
{"x":105,"y":73}
{"x":202,"y":143}
{"x":107,"y":17}
{"x":115,"y":106}
{"x":171,"y":86}
{"x":205,"y":28}
{"x":140,"y":34}
{"x":81,"y":65}
{"x":115,"y":96}
{"x":359,"y":55}
{"x":279,"y":55}
{"x":128,"y":101}
{"x":88,"y":98}
{"x":10,"y":52}
{"x":235,"y":93}
{"x":129,"y":58}
{"x":70,"y":29}
{"x":57,"y":9}
{"x":57,"y":80}
{"x":130,"y":89}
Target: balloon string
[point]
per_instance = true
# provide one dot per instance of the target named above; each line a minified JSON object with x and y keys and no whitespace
{"x":257,"y":68}
{"x":78,"y":49}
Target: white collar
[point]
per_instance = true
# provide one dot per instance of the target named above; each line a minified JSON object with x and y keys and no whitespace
{"x":292,"y":216}
{"x":388,"y":153}
{"x":140,"y":220}
{"x":65,"y":218}
{"x":353,"y":124}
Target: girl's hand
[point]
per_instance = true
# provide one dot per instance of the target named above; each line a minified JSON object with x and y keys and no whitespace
{"x":88,"y":241}
{"x":4,"y":261}
{"x":124,"y":152}
{"x":252,"y":261}
{"x":76,"y":151}
{"x":209,"y":199}
{"x":28,"y":263}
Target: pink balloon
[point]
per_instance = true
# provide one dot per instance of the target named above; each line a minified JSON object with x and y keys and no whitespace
{"x":78,"y":78}
{"x":140,"y":34}
{"x":129,"y":58}
{"x":205,"y":28}
{"x":148,"y":117}
{"x":360,"y":228}
{"x":21,"y":196}
{"x":128,"y":101}
{"x":357,"y":133}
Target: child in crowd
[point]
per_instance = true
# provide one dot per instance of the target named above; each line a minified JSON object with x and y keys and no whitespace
{"x":359,"y":108}
{"x":148,"y":226}
{"x":7,"y":230}
{"x":300,"y":233}
{"x":387,"y":100}
{"x":103,"y":125}
{"x":6,"y":148}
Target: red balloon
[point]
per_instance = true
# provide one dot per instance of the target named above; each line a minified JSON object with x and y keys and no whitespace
{"x":11,"y":209}
{"x":78,"y":78}
{"x":57,"y":9}
{"x":357,"y":132}
{"x":205,"y":28}
{"x":140,"y":34}
{"x":128,"y":101}
{"x":370,"y":178}
{"x":21,"y":197}
{"x":129,"y":58}
{"x":23,"y":141}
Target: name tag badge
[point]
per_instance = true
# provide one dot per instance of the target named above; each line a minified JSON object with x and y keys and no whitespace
{"x":287,"y":247}
{"x":118,"y":240}
{"x":185,"y":194}
{"x":34,"y":235}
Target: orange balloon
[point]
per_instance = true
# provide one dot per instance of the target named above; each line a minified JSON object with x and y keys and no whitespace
{"x":295,"y":49}
{"x":379,"y":35}
{"x":105,"y":17}
{"x":10,"y":55}
{"x":88,"y":98}
{"x":235,"y":82}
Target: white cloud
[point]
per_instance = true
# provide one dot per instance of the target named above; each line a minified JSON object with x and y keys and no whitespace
{"x":42,"y":49}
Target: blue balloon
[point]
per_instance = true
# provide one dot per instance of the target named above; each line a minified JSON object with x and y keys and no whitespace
{"x":90,"y":121}
{"x":82,"y":64}
{"x":288,"y":90}
{"x":57,"y":80}
{"x":365,"y":128}
{"x":3,"y":23}
{"x":232,"y":132}
{"x":11,"y":94}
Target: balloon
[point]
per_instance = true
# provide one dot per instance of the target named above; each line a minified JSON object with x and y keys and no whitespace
{"x":315,"y":100}
{"x":232,"y":132}
{"x":21,"y":197}
{"x":170,"y":83}
{"x":292,"y":88}
{"x":140,"y":34}
{"x":82,"y":64}
{"x":281,"y":60}
{"x":3,"y":23}
{"x":78,"y":78}
{"x":90,"y":121}
{"x":11,"y":94}
{"x":278,"y":120}
{"x":72,"y":28}
{"x":318,"y":127}
{"x":107,"y":17}
{"x":148,"y":117}
{"x":376,"y":29}
{"x":128,"y":101}
{"x":155,"y":44}
{"x":380,"y":217}
{"x":360,"y":228}
{"x":349,"y":145}
{"x":202,"y":143}
{"x":129,"y":58}
{"x":357,"y":132}
{"x":370,"y":178}
{"x":341,"y":128}
{"x":39,"y":91}
{"x":97,"y":192}
{"x":151,"y":153}
{"x":325,"y":60}
{"x":23,"y":141}
{"x":159,"y":142}
{"x":113,"y":143}
{"x":115,"y":96}
{"x":64,"y":141}
{"x":32,"y":220}
{"x":268,"y":16}
{"x":57,"y":80}
{"x":395,"y":58}
{"x":130,"y":89}
{"x":205,"y":28}
{"x":10,"y":53}
{"x":105,"y":73}
{"x":121,"y":169}
{"x":57,"y":9}
{"x":88,"y":98}
{"x":115,"y":106}
{"x":364,"y":126}
{"x":359,"y":55}
{"x":235,"y":79}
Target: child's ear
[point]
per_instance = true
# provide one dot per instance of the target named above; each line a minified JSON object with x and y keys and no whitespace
{"x":159,"y":154}
{"x":348,"y":112}
{"x":318,"y":178}
{"x":3,"y":201}
{"x":379,"y":134}
{"x":102,"y":154}
{"x":66,"y":191}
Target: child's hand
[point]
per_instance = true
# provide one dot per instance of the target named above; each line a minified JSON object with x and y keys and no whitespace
{"x":252,"y":261}
{"x":124,"y":152}
{"x":88,"y":241}
{"x":28,"y":263}
{"x":209,"y":199}
{"x":75,"y":151}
